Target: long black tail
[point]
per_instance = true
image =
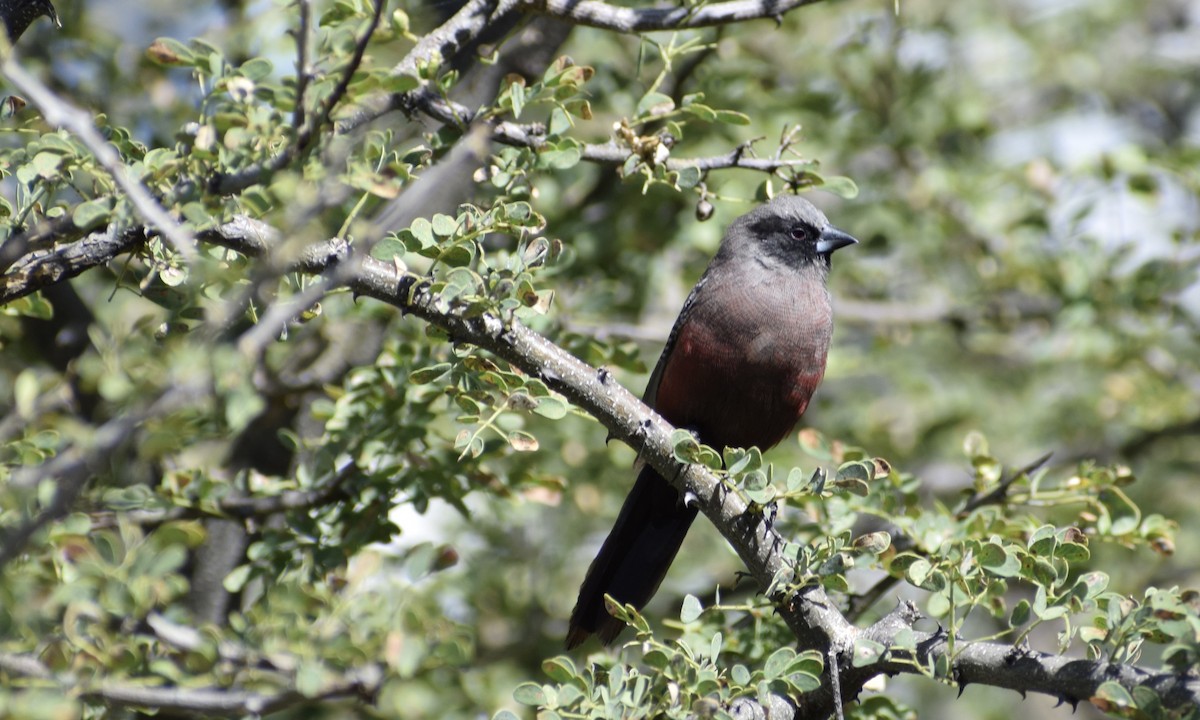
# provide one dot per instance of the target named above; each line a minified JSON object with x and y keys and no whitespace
{"x":634,"y":558}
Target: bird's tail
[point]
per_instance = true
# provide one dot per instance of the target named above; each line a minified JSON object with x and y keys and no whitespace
{"x":634,"y":558}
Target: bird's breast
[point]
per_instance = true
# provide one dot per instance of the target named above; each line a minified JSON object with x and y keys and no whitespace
{"x":746,"y":360}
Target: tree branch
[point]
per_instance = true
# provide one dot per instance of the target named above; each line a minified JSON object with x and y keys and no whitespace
{"x":673,"y":17}
{"x":47,"y":267}
{"x":60,"y":113}
{"x":361,"y":682}
{"x":533,"y":136}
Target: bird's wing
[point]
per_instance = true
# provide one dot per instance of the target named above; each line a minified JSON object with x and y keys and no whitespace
{"x":651,"y":394}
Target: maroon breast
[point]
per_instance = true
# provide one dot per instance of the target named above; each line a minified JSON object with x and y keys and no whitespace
{"x":742,"y":373}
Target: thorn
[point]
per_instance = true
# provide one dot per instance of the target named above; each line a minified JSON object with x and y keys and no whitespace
{"x":1064,"y":699}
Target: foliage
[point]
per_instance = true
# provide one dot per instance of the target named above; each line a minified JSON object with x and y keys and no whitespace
{"x":409,"y":514}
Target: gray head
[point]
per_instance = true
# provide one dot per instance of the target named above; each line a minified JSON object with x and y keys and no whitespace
{"x":788,"y":229}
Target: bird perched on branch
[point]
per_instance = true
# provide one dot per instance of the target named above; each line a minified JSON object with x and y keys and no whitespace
{"x":18,"y":14}
{"x":739,"y":368}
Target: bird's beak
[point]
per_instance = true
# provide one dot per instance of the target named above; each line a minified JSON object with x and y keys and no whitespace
{"x":833,"y":239}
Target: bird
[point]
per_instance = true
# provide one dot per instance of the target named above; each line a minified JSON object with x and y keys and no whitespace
{"x":739,"y":368}
{"x":16,"y":15}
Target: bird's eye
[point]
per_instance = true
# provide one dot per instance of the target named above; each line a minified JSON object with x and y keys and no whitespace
{"x":801,"y":232}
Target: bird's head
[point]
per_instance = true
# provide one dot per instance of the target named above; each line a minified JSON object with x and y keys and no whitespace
{"x":790,"y":230}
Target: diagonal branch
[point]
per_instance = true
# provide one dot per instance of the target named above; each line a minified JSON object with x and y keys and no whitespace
{"x":60,"y":113}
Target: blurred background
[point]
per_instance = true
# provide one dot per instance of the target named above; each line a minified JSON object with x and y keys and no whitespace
{"x":1028,"y":205}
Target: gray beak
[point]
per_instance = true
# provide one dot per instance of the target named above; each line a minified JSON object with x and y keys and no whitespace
{"x":833,"y":239}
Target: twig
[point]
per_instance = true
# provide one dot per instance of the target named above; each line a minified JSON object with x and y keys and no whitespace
{"x":1000,"y":492}
{"x":60,"y":113}
{"x":533,"y":136}
{"x":339,"y":91}
{"x":303,"y":71}
{"x":225,"y":184}
{"x":362,"y":682}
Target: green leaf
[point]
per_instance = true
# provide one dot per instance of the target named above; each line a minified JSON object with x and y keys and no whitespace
{"x":1125,"y":515}
{"x":444,"y":225}
{"x":26,"y":389}
{"x":687,"y":177}
{"x":561,"y":157}
{"x":867,"y":652}
{"x":700,"y":111}
{"x":560,"y":669}
{"x":739,"y":461}
{"x":778,"y":662}
{"x":427,"y":375}
{"x":256,"y":68}
{"x":732,"y":117}
{"x":310,"y":677}
{"x":1112,"y":696}
{"x":999,"y":560}
{"x":46,"y":164}
{"x":92,"y":213}
{"x":655,"y":103}
{"x":236,"y":579}
{"x":918,"y":572}
{"x":740,"y":675}
{"x":422,"y":230}
{"x":840,"y":186}
{"x":552,"y":408}
{"x":691,"y":610}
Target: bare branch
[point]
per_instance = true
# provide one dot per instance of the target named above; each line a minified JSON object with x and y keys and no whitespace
{"x":533,"y":136}
{"x":303,"y":69}
{"x":671,"y":17}
{"x":462,"y":28}
{"x":362,"y":682}
{"x":43,"y":268}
